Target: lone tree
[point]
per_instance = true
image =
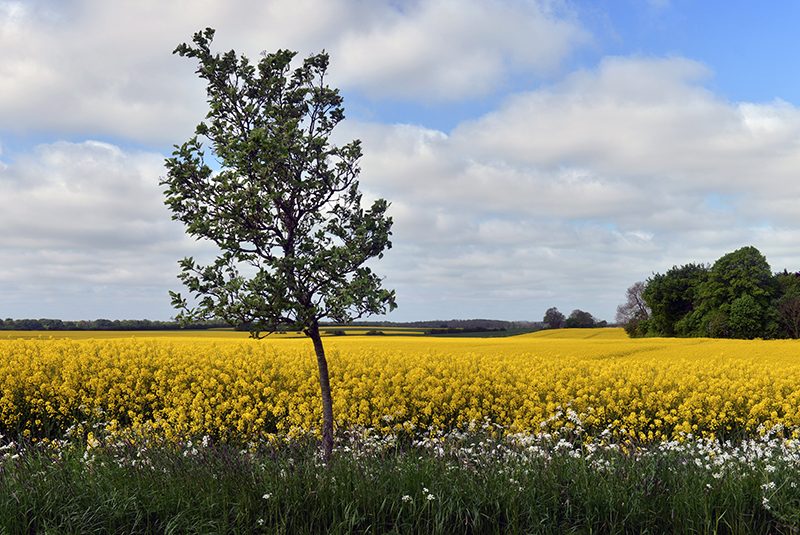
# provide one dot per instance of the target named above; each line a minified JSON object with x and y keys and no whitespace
{"x":634,"y":312}
{"x":553,"y":318}
{"x":283,"y":205}
{"x":634,"y":307}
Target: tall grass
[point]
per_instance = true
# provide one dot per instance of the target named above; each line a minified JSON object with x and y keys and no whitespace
{"x":474,"y":484}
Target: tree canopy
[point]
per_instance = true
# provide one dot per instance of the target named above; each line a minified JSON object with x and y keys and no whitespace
{"x":284,"y":208}
{"x":554,"y":318}
{"x":580,"y":319}
{"x":671,"y":298}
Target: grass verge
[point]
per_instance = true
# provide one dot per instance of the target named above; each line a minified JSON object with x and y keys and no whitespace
{"x":462,"y":483}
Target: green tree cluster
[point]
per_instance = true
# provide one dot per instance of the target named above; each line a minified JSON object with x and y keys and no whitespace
{"x":578,"y":319}
{"x":736,"y":297}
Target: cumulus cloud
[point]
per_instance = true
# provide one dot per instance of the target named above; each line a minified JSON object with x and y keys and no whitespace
{"x":105,"y":68}
{"x":570,"y":193}
{"x":563,"y":195}
{"x":645,"y":118}
{"x":85,"y":233}
{"x":449,"y":49}
{"x":68,"y":194}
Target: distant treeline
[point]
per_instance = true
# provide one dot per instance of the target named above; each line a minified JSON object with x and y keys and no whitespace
{"x":45,"y":324}
{"x":432,"y":327}
{"x":737,"y":297}
{"x":578,"y":319}
{"x":472,"y":325}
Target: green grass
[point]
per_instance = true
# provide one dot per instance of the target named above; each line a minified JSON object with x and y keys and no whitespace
{"x":477,"y":485}
{"x":486,"y":334}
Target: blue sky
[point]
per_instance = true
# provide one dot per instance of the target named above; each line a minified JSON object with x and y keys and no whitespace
{"x":536,"y":153}
{"x":748,"y":46}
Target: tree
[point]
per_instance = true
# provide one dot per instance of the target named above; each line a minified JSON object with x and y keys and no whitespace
{"x":634,"y":312}
{"x":745,"y":278}
{"x":553,"y":318}
{"x":671,"y":298}
{"x":284,"y":207}
{"x":788,"y":305}
{"x":789,"y":315}
{"x":737,"y":296}
{"x":744,"y":318}
{"x":580,"y":319}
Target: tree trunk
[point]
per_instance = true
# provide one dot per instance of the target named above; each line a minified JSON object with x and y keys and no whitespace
{"x":325,"y":387}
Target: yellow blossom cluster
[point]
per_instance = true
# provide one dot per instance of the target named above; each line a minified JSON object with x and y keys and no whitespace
{"x":596,"y":382}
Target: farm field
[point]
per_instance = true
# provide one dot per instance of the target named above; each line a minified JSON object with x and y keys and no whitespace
{"x":226,"y":386}
{"x":190,"y":333}
{"x":494,"y":434}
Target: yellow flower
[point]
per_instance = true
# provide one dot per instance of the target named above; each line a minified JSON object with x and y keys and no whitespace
{"x":231,"y":388}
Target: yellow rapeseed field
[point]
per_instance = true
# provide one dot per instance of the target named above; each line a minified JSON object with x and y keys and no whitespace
{"x":224,"y":386}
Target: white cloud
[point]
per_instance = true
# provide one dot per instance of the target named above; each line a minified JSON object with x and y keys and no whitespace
{"x":105,"y":68}
{"x":561,"y":196}
{"x":66,"y":195}
{"x":641,"y":118}
{"x":85,"y":231}
{"x":446,"y":49}
{"x":569,"y":194}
